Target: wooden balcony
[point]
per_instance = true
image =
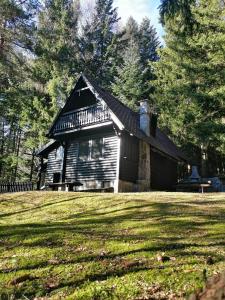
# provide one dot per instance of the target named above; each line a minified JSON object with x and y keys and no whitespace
{"x":83,"y":117}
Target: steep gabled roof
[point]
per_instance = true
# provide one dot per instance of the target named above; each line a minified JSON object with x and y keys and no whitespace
{"x":130,"y":121}
{"x":126,"y":119}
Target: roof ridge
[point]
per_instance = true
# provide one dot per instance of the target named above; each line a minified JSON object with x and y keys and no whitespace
{"x":104,"y":90}
{"x":127,"y":117}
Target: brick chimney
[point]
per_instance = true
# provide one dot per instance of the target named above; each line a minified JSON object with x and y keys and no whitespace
{"x":145,"y":117}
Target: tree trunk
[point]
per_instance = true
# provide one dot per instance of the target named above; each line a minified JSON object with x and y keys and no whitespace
{"x":17,"y":153}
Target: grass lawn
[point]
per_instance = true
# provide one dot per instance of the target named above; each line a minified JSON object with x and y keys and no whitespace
{"x":56,"y":245}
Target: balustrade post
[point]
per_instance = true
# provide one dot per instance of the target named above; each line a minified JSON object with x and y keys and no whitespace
{"x":82,"y":117}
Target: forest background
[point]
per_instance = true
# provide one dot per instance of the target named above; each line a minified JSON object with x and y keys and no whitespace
{"x":45,"y":45}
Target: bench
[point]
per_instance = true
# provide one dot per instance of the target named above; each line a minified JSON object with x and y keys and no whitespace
{"x":193,"y":187}
{"x":63,"y":186}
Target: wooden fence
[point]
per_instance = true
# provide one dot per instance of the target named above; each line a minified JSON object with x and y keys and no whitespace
{"x":10,"y":187}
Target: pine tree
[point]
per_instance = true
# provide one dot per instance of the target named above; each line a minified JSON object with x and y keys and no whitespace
{"x":170,"y":9}
{"x":144,"y":36}
{"x":131,"y":31}
{"x":190,"y":80}
{"x":54,"y":67}
{"x":145,"y":41}
{"x":99,"y":42}
{"x":148,"y":42}
{"x":16,"y":40}
{"x":148,"y":46}
{"x":128,"y":83}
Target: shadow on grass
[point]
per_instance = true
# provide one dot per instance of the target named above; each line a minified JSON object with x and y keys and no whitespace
{"x":30,"y":209}
{"x":181,"y":229}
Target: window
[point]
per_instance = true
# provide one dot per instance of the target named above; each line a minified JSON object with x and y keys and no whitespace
{"x":97,"y":149}
{"x":91,"y":150}
{"x":56,"y":177}
{"x":59,"y":152}
{"x":84,"y":150}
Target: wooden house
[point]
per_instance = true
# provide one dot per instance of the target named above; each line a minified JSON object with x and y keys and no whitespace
{"x":99,"y":143}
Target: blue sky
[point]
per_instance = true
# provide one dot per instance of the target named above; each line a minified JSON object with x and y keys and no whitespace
{"x":139,"y":9}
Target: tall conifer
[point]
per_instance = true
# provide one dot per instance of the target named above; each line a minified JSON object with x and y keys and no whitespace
{"x":191,"y":81}
{"x":54,"y":67}
{"x":129,"y":81}
{"x":16,"y":40}
{"x":99,"y":42}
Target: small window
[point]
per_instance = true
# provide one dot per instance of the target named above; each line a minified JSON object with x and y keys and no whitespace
{"x":56,"y":177}
{"x":84,"y":150}
{"x":97,"y":149}
{"x":91,"y":150}
{"x":59,"y":152}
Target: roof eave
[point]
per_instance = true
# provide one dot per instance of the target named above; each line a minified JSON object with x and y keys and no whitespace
{"x":113,"y":116}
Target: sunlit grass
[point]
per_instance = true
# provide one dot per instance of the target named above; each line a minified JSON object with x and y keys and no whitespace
{"x":105,"y":246}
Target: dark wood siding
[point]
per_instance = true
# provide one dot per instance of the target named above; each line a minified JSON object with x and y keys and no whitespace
{"x":100,"y":169}
{"x":53,"y":166}
{"x":129,"y":155}
{"x":163,"y":172}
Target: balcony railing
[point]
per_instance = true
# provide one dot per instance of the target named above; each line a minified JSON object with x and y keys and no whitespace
{"x":82,"y":117}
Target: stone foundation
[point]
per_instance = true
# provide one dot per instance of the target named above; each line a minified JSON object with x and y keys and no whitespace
{"x":127,"y":187}
{"x":95,"y":184}
{"x":143,"y":185}
{"x":130,"y":187}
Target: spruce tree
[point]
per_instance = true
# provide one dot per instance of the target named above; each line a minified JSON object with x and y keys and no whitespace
{"x":129,"y":81}
{"x":142,"y":42}
{"x":144,"y":36}
{"x":148,"y":46}
{"x":148,"y":42}
{"x":190,"y":81}
{"x":99,"y":42}
{"x":131,"y":31}
{"x":54,"y":68}
{"x":170,"y":9}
